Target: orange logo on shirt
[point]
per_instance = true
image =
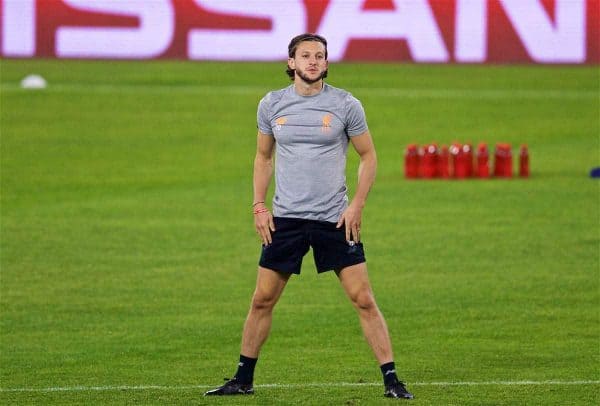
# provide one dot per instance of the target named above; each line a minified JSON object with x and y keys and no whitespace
{"x":326,"y":122}
{"x":280,"y":121}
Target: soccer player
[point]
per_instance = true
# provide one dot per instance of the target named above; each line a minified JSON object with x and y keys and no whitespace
{"x":309,"y":125}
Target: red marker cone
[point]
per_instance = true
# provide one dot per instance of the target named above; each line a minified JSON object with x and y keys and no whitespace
{"x":468,"y":153}
{"x":524,"y":162}
{"x":503,"y":161}
{"x":411,"y":162}
{"x":483,"y":164}
{"x":443,"y":170}
{"x":459,"y":161}
{"x":429,"y":161}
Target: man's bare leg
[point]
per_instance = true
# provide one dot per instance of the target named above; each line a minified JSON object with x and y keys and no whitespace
{"x":355,"y":281}
{"x":269,"y":287}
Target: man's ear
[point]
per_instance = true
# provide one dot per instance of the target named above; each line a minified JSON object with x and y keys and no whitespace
{"x":291,"y":63}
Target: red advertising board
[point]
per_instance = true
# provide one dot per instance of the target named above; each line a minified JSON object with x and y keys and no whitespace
{"x":419,"y":31}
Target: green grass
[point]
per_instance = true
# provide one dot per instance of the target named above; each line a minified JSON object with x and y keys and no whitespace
{"x":128,"y":254}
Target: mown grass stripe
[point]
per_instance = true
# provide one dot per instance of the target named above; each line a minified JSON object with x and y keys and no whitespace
{"x":492,"y":94}
{"x":298,"y":385}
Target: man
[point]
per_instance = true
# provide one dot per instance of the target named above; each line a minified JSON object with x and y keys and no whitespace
{"x":309,"y":124}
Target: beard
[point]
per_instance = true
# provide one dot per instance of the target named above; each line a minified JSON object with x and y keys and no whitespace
{"x":308,"y":80}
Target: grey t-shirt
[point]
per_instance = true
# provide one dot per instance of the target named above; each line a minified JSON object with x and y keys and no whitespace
{"x":311,"y":135}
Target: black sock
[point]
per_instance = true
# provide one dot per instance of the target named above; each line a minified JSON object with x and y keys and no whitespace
{"x":389,"y":373}
{"x":245,"y":372}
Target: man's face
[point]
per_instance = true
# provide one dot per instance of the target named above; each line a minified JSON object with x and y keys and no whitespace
{"x":309,"y":62}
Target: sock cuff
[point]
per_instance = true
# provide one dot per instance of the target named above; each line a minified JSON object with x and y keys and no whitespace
{"x":388,"y":370}
{"x":248,"y":360}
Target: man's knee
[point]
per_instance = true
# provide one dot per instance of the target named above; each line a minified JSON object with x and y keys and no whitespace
{"x":269,"y":287}
{"x":364,"y":301}
{"x":262,"y":301}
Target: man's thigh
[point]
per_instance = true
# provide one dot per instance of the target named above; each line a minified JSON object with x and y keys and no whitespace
{"x":355,"y":279}
{"x":270,"y":284}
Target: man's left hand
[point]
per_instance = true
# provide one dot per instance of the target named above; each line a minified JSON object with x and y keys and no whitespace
{"x":351,"y":218}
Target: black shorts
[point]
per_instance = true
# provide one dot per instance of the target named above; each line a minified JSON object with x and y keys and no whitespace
{"x":293,"y":237}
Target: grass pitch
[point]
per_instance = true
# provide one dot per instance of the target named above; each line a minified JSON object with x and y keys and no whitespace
{"x":128,"y":253}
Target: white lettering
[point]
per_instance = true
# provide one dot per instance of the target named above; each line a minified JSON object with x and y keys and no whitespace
{"x":288,"y":19}
{"x":18,"y":28}
{"x":471,"y":31}
{"x":545,"y":41}
{"x":411,"y":20}
{"x":150,"y":39}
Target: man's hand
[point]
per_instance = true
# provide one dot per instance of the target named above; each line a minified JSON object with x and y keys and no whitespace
{"x":351,"y":218}
{"x":263,"y":221}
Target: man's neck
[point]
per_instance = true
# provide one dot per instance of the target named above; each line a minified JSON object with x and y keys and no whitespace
{"x":307,"y":89}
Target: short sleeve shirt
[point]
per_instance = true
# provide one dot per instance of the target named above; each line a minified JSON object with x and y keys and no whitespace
{"x":311,"y":137}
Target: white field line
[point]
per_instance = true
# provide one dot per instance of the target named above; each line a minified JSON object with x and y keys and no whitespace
{"x":415,"y":93}
{"x":294,"y":385}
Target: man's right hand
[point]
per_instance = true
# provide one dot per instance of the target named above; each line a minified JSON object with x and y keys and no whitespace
{"x":263,"y":221}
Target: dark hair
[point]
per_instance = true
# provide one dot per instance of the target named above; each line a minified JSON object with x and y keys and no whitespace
{"x":294,"y":44}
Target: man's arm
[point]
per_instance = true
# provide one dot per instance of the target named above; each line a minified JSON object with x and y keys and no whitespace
{"x":352,"y":216}
{"x":263,"y":170}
